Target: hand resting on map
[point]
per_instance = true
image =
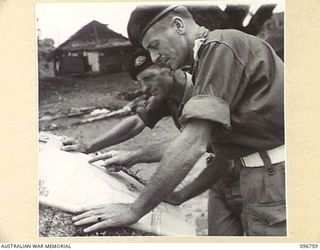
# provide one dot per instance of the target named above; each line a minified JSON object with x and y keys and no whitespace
{"x":70,"y":144}
{"x":103,"y":216}
{"x":115,"y":160}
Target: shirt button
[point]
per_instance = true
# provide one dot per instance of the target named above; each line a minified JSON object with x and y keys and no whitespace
{"x":209,"y":158}
{"x":270,"y":170}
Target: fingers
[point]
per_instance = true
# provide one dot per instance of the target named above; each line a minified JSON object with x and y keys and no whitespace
{"x":115,"y":168}
{"x":104,"y":223}
{"x":68,"y":141}
{"x":97,"y":215}
{"x":111,"y":167}
{"x":99,"y":225}
{"x":103,"y":156}
{"x":111,"y":163}
{"x":83,"y":215}
{"x":109,"y":221}
{"x":74,"y":147}
{"x":104,"y":216}
{"x":86,"y":209}
{"x":89,"y":220}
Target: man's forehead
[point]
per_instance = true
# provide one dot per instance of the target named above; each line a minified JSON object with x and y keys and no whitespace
{"x":150,"y":36}
{"x":148,"y":72}
{"x":145,"y":17}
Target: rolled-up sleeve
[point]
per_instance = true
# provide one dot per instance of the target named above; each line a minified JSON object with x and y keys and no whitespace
{"x":153,"y":112}
{"x":220,"y":81}
{"x":206,"y":107}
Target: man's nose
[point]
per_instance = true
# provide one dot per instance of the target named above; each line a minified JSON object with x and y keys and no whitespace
{"x":154,"y":57}
{"x":144,"y":87}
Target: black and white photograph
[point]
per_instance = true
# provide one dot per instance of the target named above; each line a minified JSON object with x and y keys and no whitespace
{"x":161,"y":119}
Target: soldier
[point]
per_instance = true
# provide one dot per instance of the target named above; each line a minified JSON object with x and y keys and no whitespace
{"x":168,"y":91}
{"x":236,"y":111}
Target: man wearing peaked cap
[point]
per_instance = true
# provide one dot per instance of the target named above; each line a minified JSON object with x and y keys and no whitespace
{"x":236,"y":111}
{"x":139,"y":61}
{"x":142,"y":18}
{"x":167,"y":91}
{"x":239,"y":86}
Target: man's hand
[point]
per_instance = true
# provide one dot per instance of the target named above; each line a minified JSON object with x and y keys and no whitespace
{"x":174,"y":199}
{"x":74,"y":145}
{"x":178,"y":159}
{"x":108,"y":215}
{"x":114,"y":160}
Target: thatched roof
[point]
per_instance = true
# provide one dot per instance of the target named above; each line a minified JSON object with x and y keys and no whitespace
{"x":93,"y":36}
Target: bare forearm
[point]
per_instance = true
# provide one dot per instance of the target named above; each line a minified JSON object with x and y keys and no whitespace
{"x":150,"y":153}
{"x":115,"y":160}
{"x":178,"y":160}
{"x":125,"y":130}
{"x":214,"y":171}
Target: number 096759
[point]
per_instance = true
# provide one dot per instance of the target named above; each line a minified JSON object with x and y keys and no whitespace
{"x":304,"y":245}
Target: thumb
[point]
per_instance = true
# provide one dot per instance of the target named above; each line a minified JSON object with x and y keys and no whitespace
{"x":68,"y":141}
{"x":112,"y":164}
{"x":104,"y":156}
{"x":70,"y":148}
{"x":114,"y":168}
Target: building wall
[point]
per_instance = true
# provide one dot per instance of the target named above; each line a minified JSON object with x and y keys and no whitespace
{"x":108,"y":61}
{"x":115,"y":59}
{"x":93,"y":60}
{"x":66,"y":65}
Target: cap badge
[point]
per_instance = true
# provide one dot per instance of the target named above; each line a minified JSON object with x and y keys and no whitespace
{"x":139,"y":60}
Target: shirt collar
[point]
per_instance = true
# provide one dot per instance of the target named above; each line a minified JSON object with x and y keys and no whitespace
{"x":187,"y":91}
{"x":199,"y":42}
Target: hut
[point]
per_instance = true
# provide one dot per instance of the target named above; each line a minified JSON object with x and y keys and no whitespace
{"x":93,"y":49}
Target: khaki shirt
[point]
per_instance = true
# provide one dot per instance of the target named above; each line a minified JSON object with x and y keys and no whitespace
{"x":239,"y":86}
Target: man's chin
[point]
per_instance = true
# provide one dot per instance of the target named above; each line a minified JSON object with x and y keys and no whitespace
{"x":173,"y":66}
{"x":158,"y":98}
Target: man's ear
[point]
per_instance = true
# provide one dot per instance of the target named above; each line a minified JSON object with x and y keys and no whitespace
{"x":178,"y":25}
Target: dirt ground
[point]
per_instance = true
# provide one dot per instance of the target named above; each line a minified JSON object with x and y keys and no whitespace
{"x":60,"y":95}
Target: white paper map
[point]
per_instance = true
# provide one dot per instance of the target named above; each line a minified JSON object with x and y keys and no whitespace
{"x":68,"y":182}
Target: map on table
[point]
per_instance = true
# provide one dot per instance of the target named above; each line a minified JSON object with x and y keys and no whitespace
{"x":68,"y":182}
